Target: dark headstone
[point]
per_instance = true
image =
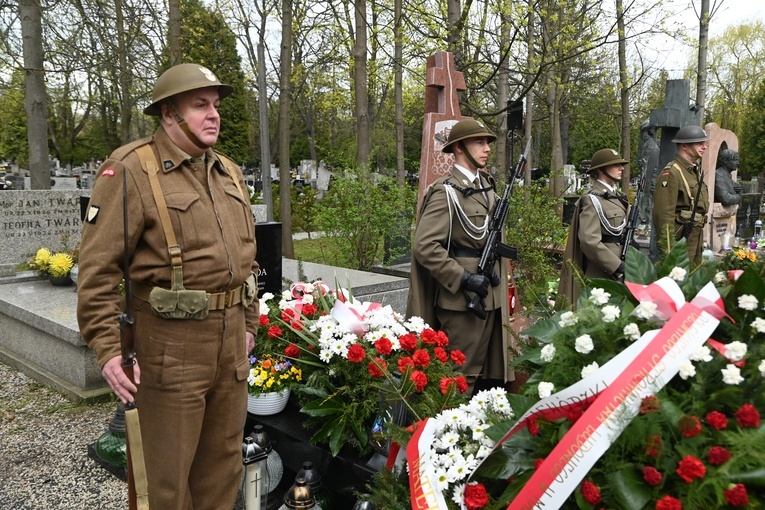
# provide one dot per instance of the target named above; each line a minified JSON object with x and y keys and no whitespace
{"x":748,"y":213}
{"x":268,"y":237}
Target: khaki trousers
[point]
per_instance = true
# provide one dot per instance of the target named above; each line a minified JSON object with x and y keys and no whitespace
{"x":192,"y":402}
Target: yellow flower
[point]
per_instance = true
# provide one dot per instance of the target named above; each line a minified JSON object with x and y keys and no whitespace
{"x":42,"y":257}
{"x":752,"y":256}
{"x":60,"y":264}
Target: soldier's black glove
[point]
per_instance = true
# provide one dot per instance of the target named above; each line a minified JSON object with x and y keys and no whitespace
{"x":477,"y":283}
{"x":619,"y":273}
{"x":495,"y":280}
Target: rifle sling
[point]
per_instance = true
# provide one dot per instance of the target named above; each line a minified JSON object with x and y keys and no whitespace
{"x":138,"y":465}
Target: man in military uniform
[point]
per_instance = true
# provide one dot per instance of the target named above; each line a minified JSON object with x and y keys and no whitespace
{"x":191,"y":246}
{"x":451,"y":231}
{"x":681,"y":198}
{"x":600,"y":216}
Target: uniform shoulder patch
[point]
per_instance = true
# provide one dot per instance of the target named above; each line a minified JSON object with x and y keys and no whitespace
{"x":92,"y":214}
{"x":109,"y":172}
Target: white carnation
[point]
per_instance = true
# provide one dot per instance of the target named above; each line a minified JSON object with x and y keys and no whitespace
{"x":548,"y":352}
{"x":286,"y":295}
{"x":702,"y":354}
{"x":732,"y":375}
{"x":687,"y":369}
{"x":545,"y":389}
{"x":720,"y":278}
{"x":735,"y":351}
{"x":645,"y":310}
{"x":599,"y":296}
{"x":678,"y":274}
{"x":611,"y":313}
{"x":583,"y":344}
{"x":747,"y":302}
{"x":632,"y":331}
{"x":759,"y":324}
{"x":590,"y":369}
{"x":762,"y":368}
{"x":568,"y":319}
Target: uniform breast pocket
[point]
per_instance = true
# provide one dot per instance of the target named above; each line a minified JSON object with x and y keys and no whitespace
{"x":614,"y":217}
{"x":188,"y":220}
{"x":240,"y":215}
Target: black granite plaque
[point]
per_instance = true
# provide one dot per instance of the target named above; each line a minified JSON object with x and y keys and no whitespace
{"x":268,"y":237}
{"x":748,"y":212}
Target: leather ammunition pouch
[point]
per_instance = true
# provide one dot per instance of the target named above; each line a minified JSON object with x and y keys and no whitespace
{"x":692,"y":218}
{"x":179,"y":304}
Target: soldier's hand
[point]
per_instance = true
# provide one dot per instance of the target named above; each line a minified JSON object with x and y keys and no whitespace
{"x":495,"y":279}
{"x":477,"y":283}
{"x":619,"y":273}
{"x":118,"y":381}
{"x":250,"y":339}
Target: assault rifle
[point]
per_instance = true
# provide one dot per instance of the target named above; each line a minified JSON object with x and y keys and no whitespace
{"x":629,"y":229}
{"x":138,"y":493}
{"x":494,"y":248}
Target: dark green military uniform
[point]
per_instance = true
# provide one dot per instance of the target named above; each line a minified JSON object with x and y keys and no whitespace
{"x":675,"y":204}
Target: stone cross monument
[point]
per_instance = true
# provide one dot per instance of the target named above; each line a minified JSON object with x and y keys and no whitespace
{"x":442,"y":111}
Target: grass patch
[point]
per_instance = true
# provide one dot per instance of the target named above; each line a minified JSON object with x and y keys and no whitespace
{"x":321,"y":250}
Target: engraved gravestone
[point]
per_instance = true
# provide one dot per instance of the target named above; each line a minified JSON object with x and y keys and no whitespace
{"x":31,"y":219}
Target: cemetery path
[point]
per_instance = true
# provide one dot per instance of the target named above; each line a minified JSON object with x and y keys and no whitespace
{"x":43,"y":449}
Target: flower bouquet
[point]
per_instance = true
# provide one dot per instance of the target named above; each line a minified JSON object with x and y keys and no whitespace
{"x":269,"y":384}
{"x":359,"y":360}
{"x":648,"y":396}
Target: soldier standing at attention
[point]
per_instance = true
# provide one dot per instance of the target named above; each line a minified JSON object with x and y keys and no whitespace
{"x":595,"y":238}
{"x":193,"y":299}
{"x":681,"y":198}
{"x":450,"y":234}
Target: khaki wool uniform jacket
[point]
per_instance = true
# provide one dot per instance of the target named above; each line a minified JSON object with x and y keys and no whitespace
{"x":671,"y":198}
{"x":193,"y":390}
{"x":590,"y":246}
{"x":436,"y":274}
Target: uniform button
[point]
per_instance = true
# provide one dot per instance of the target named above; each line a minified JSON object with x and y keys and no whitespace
{"x":192,"y":309}
{"x":159,"y":307}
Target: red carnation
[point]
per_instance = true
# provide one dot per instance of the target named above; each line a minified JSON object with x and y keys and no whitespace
{"x":457,"y":356}
{"x":654,"y":446}
{"x":288,"y":314}
{"x":356,"y":353}
{"x":447,"y":383}
{"x":428,"y":336}
{"x":383,"y":346}
{"x":408,"y":341}
{"x":309,"y":309}
{"x":747,"y":416}
{"x":533,"y":426}
{"x":591,"y":493}
{"x":538,"y":463}
{"x":475,"y":496}
{"x":574,"y":413}
{"x":736,"y":495}
{"x":404,"y":364}
{"x":441,"y":339}
{"x":462,"y":384}
{"x":716,"y":420}
{"x":441,"y":354}
{"x":292,"y":351}
{"x":263,"y":320}
{"x":421,"y":358}
{"x":691,"y":468}
{"x":669,"y":503}
{"x":651,"y":476}
{"x":376,"y":367}
{"x":419,"y":379}
{"x":296,"y":325}
{"x":649,"y":404}
{"x":718,"y":455}
{"x":274,"y":332}
{"x":689,"y":425}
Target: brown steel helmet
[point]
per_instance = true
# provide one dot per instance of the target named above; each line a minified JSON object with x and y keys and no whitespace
{"x":690,"y":134}
{"x":468,"y":128}
{"x":605,"y":157}
{"x":182,"y":78}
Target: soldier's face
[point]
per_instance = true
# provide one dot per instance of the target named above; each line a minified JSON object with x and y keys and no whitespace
{"x":200,"y":110}
{"x":479,"y":148}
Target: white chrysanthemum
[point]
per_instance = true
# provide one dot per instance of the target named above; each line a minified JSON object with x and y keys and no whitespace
{"x":631,"y":331}
{"x":415,"y":324}
{"x":611,"y":313}
{"x":548,"y":353}
{"x":590,"y":369}
{"x":447,"y":440}
{"x":645,"y":310}
{"x":583,"y":344}
{"x":735,"y":351}
{"x":459,"y":470}
{"x":502,"y":406}
{"x":442,"y":481}
{"x":747,"y":302}
{"x":568,"y":319}
{"x":339,"y":347}
{"x":325,"y":355}
{"x":687,"y":369}
{"x":762,"y":368}
{"x":453,"y":416}
{"x":599,"y":296}
{"x":702,"y":354}
{"x":545,"y":389}
{"x":759,"y":324}
{"x":479,"y":431}
{"x":458,"y":494}
{"x":732,"y":375}
{"x":678,"y":274}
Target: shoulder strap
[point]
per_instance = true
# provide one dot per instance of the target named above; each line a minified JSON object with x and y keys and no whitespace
{"x":677,"y":166}
{"x":229,"y":166}
{"x":151,"y":167}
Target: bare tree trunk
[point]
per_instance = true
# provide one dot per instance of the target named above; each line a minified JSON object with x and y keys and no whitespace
{"x":35,"y":102}
{"x":531,"y":40}
{"x":174,"y":31}
{"x":360,"y":86}
{"x":126,"y":105}
{"x":285,"y":92}
{"x":453,"y":30}
{"x":399,"y":91}
{"x":624,"y":92}
{"x":701,"y":81}
{"x":265,"y":144}
{"x":502,"y":81}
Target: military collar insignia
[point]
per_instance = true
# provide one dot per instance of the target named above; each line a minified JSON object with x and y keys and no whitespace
{"x":168,"y":164}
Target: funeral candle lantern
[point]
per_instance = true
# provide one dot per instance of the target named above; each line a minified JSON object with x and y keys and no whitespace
{"x":299,"y":497}
{"x":255,"y":475}
{"x":274,"y":463}
{"x":313,"y":479}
